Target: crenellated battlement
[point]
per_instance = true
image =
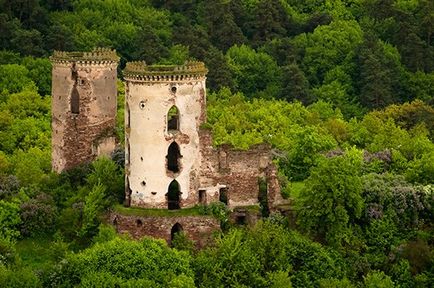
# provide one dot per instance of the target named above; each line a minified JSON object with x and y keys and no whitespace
{"x":96,"y":56}
{"x":138,"y":70}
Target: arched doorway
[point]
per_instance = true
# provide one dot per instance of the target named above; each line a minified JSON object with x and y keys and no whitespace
{"x":177,"y":228}
{"x":173,"y":194}
{"x":173,"y":155}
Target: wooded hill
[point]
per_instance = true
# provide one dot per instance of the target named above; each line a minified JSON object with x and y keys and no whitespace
{"x":342,"y":90}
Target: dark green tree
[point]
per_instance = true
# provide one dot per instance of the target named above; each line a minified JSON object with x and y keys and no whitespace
{"x":295,"y":85}
{"x":380,"y":79}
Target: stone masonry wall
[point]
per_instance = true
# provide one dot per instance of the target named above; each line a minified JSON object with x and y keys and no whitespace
{"x":237,"y":171}
{"x":78,"y":137}
{"x":197,"y":228}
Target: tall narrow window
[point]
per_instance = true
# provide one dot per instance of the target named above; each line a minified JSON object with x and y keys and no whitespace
{"x":173,"y":119}
{"x":173,"y":195}
{"x":128,"y":152}
{"x":128,"y":116}
{"x":75,"y":101}
{"x":173,"y":156}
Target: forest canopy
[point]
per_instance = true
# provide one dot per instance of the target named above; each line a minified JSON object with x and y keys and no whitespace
{"x":342,"y":90}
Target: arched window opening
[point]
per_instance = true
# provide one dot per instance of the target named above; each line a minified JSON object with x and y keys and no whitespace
{"x":173,"y":119}
{"x":173,"y":155}
{"x":75,"y":101}
{"x":173,"y":195}
{"x":177,"y":228}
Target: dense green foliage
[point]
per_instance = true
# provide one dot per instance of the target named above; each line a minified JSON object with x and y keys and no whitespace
{"x":342,"y":90}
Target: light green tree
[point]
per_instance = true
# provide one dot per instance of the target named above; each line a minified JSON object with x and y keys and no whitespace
{"x":331,"y":201}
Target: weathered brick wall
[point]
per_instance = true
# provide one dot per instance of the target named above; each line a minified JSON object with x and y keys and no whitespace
{"x":76,"y":136}
{"x":238,"y":171}
{"x":197,"y":228}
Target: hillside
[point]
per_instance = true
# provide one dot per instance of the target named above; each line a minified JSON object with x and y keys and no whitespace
{"x":342,"y":90}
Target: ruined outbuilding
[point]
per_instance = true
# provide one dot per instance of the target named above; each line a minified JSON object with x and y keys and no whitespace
{"x":170,"y":162}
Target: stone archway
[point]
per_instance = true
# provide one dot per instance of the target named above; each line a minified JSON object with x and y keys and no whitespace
{"x":173,"y":155}
{"x":173,"y":196}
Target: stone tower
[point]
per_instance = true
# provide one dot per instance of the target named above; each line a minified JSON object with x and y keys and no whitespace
{"x":165,"y":106}
{"x":84,"y":101}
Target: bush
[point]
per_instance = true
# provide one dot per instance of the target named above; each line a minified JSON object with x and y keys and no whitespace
{"x":38,"y":215}
{"x":124,"y":259}
{"x":8,"y":254}
{"x":267,"y":252}
{"x":106,"y":233}
{"x":9,"y":221}
{"x":181,"y":242}
{"x":21,"y":278}
{"x":377,"y":279}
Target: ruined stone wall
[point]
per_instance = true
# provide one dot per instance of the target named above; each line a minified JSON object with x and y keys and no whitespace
{"x":79,"y":136}
{"x":237,"y":171}
{"x":148,"y":138}
{"x":204,"y":171}
{"x":197,"y":228}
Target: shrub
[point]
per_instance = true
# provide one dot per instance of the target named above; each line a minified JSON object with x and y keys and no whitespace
{"x":377,"y":279}
{"x":9,"y":221}
{"x":125,"y":259}
{"x":38,"y":215}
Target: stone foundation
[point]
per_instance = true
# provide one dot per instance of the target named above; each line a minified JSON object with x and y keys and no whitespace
{"x":197,"y":228}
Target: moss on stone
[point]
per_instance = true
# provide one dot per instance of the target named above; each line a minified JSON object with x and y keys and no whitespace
{"x":154,"y":212}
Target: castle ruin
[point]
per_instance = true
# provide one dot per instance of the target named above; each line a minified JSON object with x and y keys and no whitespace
{"x":170,"y":162}
{"x":84,"y":97}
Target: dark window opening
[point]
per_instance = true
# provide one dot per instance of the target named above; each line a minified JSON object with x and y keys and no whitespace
{"x":128,"y":193}
{"x":128,"y":116}
{"x":128,"y":153}
{"x":173,"y":156}
{"x":173,"y":195}
{"x":173,"y":89}
{"x":241,"y":220}
{"x":202,"y":197}
{"x":173,"y":119}
{"x":263,"y":197}
{"x":177,"y":228}
{"x":142,"y":105}
{"x":75,"y":101}
{"x":223,"y":195}
{"x":139,"y":223}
